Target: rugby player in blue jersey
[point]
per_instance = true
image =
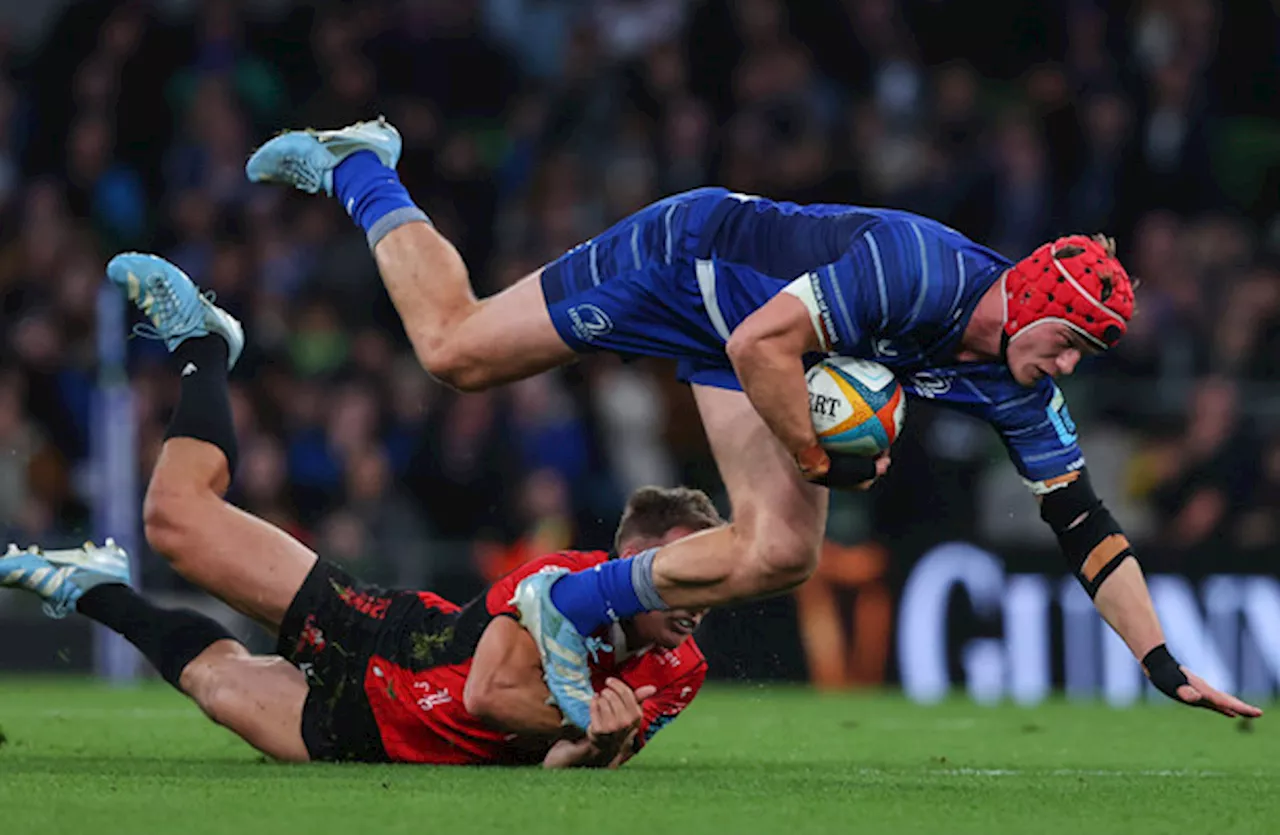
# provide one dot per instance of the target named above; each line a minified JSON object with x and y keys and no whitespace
{"x":742,"y":291}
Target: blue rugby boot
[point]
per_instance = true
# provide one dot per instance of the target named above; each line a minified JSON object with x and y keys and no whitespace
{"x":305,"y":159}
{"x":168,"y":297}
{"x":61,"y":577}
{"x":564,"y":652}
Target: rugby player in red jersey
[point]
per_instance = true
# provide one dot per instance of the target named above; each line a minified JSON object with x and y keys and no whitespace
{"x":361,"y":673}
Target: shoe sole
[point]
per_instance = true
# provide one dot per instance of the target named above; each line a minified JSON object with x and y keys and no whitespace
{"x":329,"y":136}
{"x":533,"y":625}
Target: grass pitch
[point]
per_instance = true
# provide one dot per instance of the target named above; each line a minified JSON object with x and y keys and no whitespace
{"x":87,"y":759}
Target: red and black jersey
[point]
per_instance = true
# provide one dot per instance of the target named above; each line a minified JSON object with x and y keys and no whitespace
{"x":420,"y":713}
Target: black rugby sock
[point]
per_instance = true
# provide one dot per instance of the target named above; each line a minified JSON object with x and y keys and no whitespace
{"x":169,"y":638}
{"x":204,"y":407}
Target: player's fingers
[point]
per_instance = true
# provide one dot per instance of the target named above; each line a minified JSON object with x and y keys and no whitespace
{"x":614,"y":697}
{"x":628,"y":696}
{"x":1243,"y":708}
{"x":620,"y":698}
{"x":882,"y":467}
{"x":1193,"y":696}
{"x":622,"y":716}
{"x":597,"y":718}
{"x":629,"y":711}
{"x":1239,"y":707}
{"x":617,"y":685}
{"x":645,"y":692}
{"x":629,"y":707}
{"x":1226,"y":703}
{"x":609,"y":711}
{"x":605,"y":709}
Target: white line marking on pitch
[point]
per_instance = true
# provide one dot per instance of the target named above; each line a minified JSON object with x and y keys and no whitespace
{"x":1076,"y":772}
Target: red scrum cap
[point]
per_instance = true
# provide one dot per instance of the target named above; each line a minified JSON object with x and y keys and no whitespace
{"x":1074,"y":280}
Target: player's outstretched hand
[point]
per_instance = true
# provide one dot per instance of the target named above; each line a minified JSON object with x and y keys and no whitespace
{"x":1197,"y":693}
{"x":1180,"y":684}
{"x":616,"y":713}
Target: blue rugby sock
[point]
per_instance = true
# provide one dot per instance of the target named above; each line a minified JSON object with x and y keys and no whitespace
{"x":611,"y":591}
{"x":374,"y":196}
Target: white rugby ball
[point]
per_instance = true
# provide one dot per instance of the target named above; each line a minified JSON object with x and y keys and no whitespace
{"x":857,"y":406}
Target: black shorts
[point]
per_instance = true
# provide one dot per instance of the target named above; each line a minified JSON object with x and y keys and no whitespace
{"x":333,"y":629}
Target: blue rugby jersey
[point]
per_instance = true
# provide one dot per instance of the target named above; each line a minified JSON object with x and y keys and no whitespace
{"x":676,"y":278}
{"x":897,"y":288}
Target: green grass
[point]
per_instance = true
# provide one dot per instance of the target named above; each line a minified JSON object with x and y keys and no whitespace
{"x":87,"y":759}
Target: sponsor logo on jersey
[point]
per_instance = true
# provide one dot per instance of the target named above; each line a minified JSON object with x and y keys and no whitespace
{"x":830,"y":336}
{"x":1060,"y":418}
{"x":366,"y":604}
{"x":883,"y":348}
{"x":590,"y":322}
{"x":310,"y":638}
{"x":930,"y":384}
{"x":434,"y":698}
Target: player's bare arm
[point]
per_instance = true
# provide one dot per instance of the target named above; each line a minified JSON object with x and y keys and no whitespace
{"x":505,"y":687}
{"x":1102,"y":559}
{"x":767,"y":351}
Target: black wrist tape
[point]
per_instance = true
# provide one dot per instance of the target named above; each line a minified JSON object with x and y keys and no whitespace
{"x":1163,"y":670}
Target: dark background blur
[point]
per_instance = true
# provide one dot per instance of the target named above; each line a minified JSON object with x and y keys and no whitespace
{"x":530,"y":125}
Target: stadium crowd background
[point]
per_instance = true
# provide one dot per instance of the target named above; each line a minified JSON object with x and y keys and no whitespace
{"x":530,"y":125}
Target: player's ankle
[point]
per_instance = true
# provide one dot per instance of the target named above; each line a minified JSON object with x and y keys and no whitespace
{"x":372,"y":194}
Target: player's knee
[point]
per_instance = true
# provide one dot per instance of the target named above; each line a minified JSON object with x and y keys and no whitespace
{"x":166,"y":516}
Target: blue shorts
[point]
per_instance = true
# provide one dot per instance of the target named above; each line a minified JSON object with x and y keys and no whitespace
{"x":634,"y":290}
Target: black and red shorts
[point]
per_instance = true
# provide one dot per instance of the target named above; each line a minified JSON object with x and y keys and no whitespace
{"x":332,"y":630}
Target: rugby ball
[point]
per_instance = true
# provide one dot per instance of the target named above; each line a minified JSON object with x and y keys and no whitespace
{"x":857,"y":406}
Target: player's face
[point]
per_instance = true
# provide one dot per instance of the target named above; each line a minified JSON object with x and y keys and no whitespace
{"x":667,"y":629}
{"x":1047,"y":350}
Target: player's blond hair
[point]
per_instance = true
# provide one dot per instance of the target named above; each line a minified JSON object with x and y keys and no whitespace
{"x":653,"y":511}
{"x":1072,"y":250}
{"x":1107,"y":243}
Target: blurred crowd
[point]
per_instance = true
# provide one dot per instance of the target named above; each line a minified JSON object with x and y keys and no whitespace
{"x":530,"y":125}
